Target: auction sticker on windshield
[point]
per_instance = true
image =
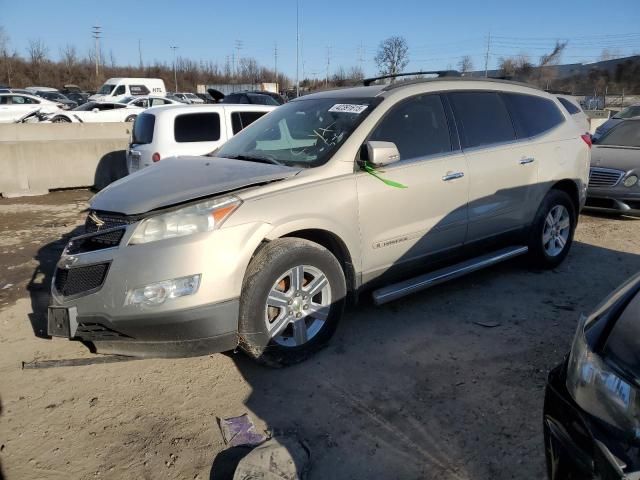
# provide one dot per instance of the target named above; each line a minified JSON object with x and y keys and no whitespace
{"x":348,"y":108}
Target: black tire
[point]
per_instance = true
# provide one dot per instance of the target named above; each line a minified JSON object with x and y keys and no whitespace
{"x":60,"y":119}
{"x":271,"y":262}
{"x":538,"y":254}
{"x":130,"y":118}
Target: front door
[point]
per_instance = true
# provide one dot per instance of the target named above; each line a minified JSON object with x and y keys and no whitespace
{"x":399,"y":225}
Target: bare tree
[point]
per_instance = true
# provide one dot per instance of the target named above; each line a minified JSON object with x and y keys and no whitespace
{"x":38,"y":52}
{"x":465,"y":64}
{"x":393,"y":56}
{"x":69,"y":57}
{"x":553,"y":57}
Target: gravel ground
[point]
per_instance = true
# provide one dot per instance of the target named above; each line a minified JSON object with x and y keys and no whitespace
{"x":414,"y":389}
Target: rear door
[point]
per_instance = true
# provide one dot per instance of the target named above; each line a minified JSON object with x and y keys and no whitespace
{"x":400,"y":225}
{"x":502,"y":171}
{"x":239,"y":120}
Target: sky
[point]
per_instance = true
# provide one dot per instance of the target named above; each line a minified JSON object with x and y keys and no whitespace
{"x":338,"y":32}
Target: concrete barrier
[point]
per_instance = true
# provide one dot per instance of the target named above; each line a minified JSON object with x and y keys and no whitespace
{"x":35,"y":158}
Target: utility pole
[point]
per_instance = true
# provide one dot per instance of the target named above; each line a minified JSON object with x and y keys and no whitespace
{"x":96,"y":32}
{"x":326,"y":79}
{"x":238,"y":47}
{"x":275,"y":57}
{"x":486,"y":56}
{"x":175,"y":71}
{"x":140,"y":53}
{"x":297,"y":48}
{"x":361,"y":57}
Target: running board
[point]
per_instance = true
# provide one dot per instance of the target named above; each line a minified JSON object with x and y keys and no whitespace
{"x":427,"y":280}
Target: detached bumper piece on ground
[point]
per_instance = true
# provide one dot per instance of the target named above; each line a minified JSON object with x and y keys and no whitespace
{"x":592,"y":402}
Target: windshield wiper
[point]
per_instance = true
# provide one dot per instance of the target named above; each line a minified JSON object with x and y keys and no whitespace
{"x":251,"y":158}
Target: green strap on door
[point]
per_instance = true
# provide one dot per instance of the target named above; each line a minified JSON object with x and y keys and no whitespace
{"x":372,"y":171}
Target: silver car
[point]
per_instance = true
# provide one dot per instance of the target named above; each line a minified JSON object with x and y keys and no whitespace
{"x":387,"y":189}
{"x":615,"y":169}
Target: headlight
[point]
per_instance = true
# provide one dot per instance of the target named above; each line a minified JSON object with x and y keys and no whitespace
{"x":599,"y":390}
{"x":630,"y":181}
{"x":159,"y":292}
{"x":200,"y":217}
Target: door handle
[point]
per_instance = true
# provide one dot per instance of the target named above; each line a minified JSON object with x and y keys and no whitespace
{"x":525,"y":160}
{"x":452,"y":176}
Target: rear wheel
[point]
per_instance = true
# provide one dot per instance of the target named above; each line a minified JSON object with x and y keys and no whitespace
{"x":292,"y":299}
{"x":130,"y":118}
{"x":60,"y":119}
{"x":552,"y":230}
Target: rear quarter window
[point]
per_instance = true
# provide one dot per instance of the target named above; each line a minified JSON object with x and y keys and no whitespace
{"x":571,"y":108}
{"x":482,"y":118}
{"x":532,"y":115}
{"x":197,"y":127}
{"x":143,"y":129}
{"x":240,"y":120}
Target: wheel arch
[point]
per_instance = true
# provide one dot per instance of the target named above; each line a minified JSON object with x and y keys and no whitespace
{"x":570,"y":188}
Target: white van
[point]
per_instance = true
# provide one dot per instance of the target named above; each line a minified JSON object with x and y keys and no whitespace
{"x":115,"y":89}
{"x":171,"y":130}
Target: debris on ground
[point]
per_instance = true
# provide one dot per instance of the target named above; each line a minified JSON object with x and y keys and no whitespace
{"x":488,"y":324}
{"x":237,"y":431}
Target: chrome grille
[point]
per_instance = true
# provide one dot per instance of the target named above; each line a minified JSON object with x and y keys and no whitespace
{"x":604,"y":177}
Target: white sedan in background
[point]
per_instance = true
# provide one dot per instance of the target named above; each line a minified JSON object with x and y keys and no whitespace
{"x":92,"y":112}
{"x":125,"y":110}
{"x":14,"y":106}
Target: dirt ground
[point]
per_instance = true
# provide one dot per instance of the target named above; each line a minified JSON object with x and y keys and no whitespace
{"x":414,"y":389}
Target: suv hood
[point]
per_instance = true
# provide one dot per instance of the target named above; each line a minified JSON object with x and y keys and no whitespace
{"x":181,"y":179}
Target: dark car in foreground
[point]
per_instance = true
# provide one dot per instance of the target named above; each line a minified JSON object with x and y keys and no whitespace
{"x":615,"y":169}
{"x":592,"y":401}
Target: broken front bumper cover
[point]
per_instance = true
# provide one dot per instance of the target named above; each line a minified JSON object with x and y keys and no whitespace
{"x":196,"y":331}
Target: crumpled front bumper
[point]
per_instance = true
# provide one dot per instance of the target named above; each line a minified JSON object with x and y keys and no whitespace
{"x":201,"y":323}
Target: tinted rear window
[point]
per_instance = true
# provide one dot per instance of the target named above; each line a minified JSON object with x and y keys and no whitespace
{"x":532,"y":115}
{"x":240,"y":120}
{"x":482,"y":118}
{"x":197,"y":127}
{"x":625,"y":134}
{"x":143,"y":129}
{"x":571,"y":108}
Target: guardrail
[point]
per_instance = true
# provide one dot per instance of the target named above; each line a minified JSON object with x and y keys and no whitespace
{"x":38,"y":157}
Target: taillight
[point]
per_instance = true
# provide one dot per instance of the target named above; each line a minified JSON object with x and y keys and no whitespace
{"x":587,"y":139}
{"x":155,"y":157}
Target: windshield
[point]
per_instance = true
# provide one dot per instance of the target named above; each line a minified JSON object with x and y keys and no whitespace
{"x":106,"y":89}
{"x":126,"y":99}
{"x":262,"y":99}
{"x":191,"y":95}
{"x":626,"y":134}
{"x":302,"y":133}
{"x":629,"y":112}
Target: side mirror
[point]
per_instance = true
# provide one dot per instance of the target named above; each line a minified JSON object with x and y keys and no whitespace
{"x":382,"y":153}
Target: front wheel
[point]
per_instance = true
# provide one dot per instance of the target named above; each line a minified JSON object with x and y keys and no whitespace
{"x":292,"y":298}
{"x":552,"y":230}
{"x":60,"y":119}
{"x":130,"y":118}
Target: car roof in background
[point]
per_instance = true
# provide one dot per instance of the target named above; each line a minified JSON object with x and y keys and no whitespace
{"x":178,"y":109}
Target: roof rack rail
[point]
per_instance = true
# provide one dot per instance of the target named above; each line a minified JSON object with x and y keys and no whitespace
{"x":441,"y":73}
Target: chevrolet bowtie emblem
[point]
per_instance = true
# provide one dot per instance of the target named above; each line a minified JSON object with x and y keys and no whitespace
{"x":95,"y":219}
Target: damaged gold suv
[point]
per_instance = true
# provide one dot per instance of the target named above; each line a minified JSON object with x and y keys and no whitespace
{"x":388,"y":189}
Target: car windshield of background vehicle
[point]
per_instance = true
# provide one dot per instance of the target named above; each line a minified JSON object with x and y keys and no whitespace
{"x":626,"y":134}
{"x":629,"y":112}
{"x":302,"y":133}
{"x":106,"y":89}
{"x":86,"y":106}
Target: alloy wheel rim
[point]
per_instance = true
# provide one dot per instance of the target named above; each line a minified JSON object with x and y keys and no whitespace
{"x":555,"y":234}
{"x":297,"y":306}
